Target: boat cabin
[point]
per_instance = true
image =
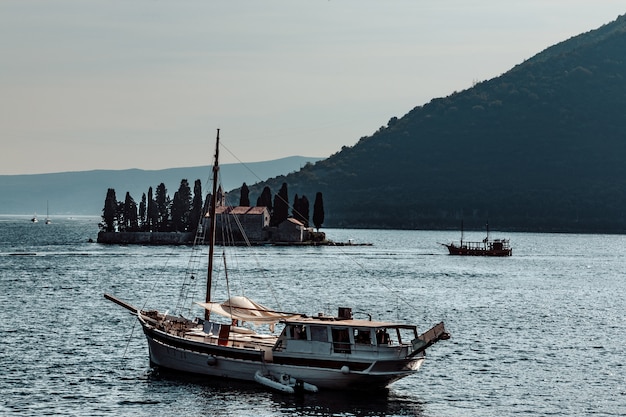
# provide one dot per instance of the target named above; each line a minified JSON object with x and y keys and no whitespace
{"x":500,"y":244}
{"x":325,"y":336}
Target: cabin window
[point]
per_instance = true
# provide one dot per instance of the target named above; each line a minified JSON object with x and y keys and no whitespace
{"x":297,"y":332}
{"x":341,"y":340}
{"x":406,"y":335}
{"x":319,"y":333}
{"x":382,"y":337}
{"x":362,"y":336}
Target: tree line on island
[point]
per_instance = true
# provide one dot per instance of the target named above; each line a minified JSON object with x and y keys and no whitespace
{"x":157,"y":212}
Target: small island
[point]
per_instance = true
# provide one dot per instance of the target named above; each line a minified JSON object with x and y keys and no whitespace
{"x":184,"y":219}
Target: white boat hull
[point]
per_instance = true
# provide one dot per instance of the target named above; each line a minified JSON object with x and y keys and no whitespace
{"x":223,"y":363}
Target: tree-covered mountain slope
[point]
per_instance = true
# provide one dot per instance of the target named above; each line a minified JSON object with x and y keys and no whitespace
{"x":541,"y":147}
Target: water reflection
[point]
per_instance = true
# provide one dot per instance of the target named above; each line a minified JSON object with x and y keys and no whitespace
{"x":230,"y":398}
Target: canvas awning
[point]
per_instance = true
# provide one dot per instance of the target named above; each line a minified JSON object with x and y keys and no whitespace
{"x":244,"y":309}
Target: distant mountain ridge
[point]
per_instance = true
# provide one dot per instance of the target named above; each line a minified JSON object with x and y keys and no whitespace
{"x":84,"y":192}
{"x":540,"y":148}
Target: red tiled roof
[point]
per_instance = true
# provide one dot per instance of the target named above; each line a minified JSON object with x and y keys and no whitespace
{"x":294,"y":221}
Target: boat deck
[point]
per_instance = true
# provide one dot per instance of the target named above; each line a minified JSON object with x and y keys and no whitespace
{"x":235,"y":338}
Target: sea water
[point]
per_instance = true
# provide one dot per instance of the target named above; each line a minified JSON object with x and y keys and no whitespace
{"x":541,"y":333}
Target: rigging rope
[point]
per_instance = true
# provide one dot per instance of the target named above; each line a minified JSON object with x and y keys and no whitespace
{"x":382,"y":283}
{"x":189,"y":292}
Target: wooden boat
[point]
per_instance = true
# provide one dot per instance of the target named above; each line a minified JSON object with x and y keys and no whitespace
{"x":325,"y":352}
{"x":487,"y":247}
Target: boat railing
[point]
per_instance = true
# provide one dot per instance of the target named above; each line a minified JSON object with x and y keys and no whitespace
{"x":486,"y":244}
{"x":474,"y":245}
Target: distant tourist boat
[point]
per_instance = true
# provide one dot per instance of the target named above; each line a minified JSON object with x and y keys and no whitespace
{"x":34,"y":218}
{"x":487,"y":247}
{"x":310,"y":353}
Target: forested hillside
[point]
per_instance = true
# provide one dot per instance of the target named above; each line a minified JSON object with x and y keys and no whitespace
{"x":541,"y":147}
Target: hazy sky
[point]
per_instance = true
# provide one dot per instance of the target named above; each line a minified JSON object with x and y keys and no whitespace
{"x":145,"y":83}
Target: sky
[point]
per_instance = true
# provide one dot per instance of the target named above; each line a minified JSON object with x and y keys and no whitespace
{"x":145,"y":84}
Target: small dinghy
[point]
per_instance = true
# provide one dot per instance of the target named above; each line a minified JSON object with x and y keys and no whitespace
{"x":284,"y":383}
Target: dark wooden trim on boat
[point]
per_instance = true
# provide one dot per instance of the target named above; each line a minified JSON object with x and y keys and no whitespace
{"x":215,"y":350}
{"x":321,"y":363}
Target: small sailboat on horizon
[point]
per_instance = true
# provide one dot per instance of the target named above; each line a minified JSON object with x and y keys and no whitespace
{"x":48,"y":221}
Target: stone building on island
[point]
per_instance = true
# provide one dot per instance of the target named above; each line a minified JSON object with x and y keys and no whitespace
{"x":255,"y":223}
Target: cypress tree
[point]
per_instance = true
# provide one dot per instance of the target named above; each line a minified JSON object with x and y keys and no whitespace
{"x":177,"y":213}
{"x":295,"y":207}
{"x":281,"y":206}
{"x":318,"y":211}
{"x":303,"y":210}
{"x":119,"y":214}
{"x":130,"y":223}
{"x":181,"y":207}
{"x":265,"y":199}
{"x":152,"y":215}
{"x":162,"y":208}
{"x":244,"y":198}
{"x":196,"y":206}
{"x":109,"y":212}
{"x":142,"y":211}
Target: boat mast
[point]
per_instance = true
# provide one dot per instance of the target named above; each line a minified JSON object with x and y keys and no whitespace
{"x":461,"y":232}
{"x":212,"y":210}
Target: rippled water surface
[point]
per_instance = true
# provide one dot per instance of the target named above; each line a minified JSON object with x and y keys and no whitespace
{"x":540,"y":333}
